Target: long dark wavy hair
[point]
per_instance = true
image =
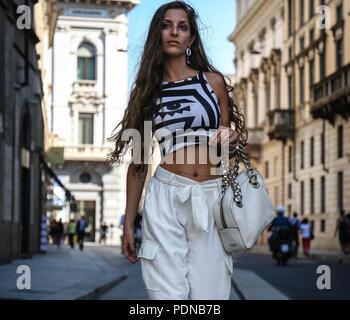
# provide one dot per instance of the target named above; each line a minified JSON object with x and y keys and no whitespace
{"x":147,"y":85}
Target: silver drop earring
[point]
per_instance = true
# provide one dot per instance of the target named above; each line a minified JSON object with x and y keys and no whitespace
{"x":188,"y":54}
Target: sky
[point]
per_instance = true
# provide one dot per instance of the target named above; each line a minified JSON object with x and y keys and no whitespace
{"x":217,"y":20}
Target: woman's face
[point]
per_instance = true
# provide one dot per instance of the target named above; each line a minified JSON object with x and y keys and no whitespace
{"x":176,"y":34}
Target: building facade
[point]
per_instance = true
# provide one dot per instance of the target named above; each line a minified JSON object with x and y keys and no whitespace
{"x":317,"y":65}
{"x":293,"y":82}
{"x":258,"y":38}
{"x":22,"y":191}
{"x":89,"y":94}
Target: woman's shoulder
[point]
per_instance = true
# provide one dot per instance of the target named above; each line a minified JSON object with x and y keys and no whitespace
{"x":217,"y":82}
{"x":214,"y":77}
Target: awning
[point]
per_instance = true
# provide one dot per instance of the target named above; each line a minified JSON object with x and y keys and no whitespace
{"x":53,"y":175}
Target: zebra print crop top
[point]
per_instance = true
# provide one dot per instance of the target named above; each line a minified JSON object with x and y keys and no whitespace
{"x":186,"y":113}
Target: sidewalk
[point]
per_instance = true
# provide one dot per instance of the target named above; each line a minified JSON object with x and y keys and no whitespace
{"x":60,"y":274}
{"x":315,"y":254}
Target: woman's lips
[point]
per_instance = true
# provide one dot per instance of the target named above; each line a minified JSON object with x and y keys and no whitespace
{"x":173,"y":43}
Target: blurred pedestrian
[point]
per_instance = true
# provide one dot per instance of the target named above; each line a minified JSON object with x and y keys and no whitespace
{"x":60,"y":232}
{"x":295,"y":227}
{"x":121,"y":227}
{"x":103,"y":233}
{"x":306,"y":235}
{"x":111,"y":233}
{"x":80,"y":230}
{"x":71,"y":232}
{"x":343,"y":230}
{"x":55,"y":232}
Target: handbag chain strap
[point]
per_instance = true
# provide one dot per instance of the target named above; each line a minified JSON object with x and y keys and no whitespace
{"x":230,"y":173}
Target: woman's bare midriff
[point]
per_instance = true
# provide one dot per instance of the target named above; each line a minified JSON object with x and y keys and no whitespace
{"x":190,"y":164}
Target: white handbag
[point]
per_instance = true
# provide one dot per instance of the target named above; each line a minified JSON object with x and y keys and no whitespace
{"x":244,"y":209}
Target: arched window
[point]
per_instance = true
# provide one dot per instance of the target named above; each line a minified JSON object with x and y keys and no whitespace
{"x":86,"y":62}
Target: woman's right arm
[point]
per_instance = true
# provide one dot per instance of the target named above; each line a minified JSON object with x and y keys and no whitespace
{"x":134,"y":186}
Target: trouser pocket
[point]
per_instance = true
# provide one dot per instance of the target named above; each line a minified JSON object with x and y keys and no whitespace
{"x":149,"y":263}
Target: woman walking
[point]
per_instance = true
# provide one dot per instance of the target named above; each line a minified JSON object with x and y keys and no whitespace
{"x":306,"y":235}
{"x":343,"y":230}
{"x":187,"y":100}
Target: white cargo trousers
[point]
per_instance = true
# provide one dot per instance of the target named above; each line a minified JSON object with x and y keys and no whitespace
{"x":181,"y":255}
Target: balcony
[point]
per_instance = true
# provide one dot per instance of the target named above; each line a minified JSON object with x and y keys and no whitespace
{"x":331,"y":96}
{"x":86,"y":153}
{"x":280,"y":124}
{"x":253,"y":148}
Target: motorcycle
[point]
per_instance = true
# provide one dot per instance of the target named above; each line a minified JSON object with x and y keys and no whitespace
{"x":281,"y":245}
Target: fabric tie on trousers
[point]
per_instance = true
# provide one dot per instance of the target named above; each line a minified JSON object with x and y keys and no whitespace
{"x":198,"y":204}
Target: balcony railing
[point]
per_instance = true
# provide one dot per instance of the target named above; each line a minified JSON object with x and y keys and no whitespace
{"x":86,"y":153}
{"x":87,"y":89}
{"x":331,"y":96}
{"x":281,"y":124}
{"x":255,"y":137}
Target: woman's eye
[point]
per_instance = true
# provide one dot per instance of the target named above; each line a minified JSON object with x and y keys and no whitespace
{"x":184,"y":28}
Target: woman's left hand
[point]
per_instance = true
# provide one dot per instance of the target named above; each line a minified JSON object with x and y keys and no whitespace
{"x":224,"y":133}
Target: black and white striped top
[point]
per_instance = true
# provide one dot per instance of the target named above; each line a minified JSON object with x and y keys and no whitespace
{"x":186,"y":113}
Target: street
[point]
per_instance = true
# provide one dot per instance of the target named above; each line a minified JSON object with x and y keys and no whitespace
{"x":296,"y":281}
{"x":101,"y":273}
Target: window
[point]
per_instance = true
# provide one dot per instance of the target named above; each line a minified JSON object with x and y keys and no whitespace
{"x":323,"y":194}
{"x":86,"y":62}
{"x":290,"y":191}
{"x":290,"y":53}
{"x":302,"y":197}
{"x":322,"y":63}
{"x":302,"y":155}
{"x":311,"y":8}
{"x":85,"y":177}
{"x":311,"y":36}
{"x":312,"y":72}
{"x":86,"y":128}
{"x":276,"y":195}
{"x":267,"y":169}
{"x":256,"y":119}
{"x":289,"y":159}
{"x":339,"y":12}
{"x":312,"y":196}
{"x":267,"y":95}
{"x":322,"y":148}
{"x":339,"y":53}
{"x":323,"y":225}
{"x":312,"y":225}
{"x":278,"y":90}
{"x":340,"y":141}
{"x":302,"y":84}
{"x":290,"y":14}
{"x":301,"y":10}
{"x":275,"y":167}
{"x":311,"y":151}
{"x":301,"y":44}
{"x":289,"y":210}
{"x":340,"y":191}
{"x":290,"y":92}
